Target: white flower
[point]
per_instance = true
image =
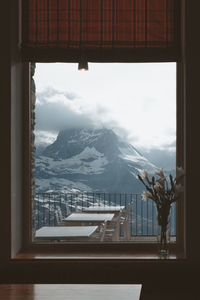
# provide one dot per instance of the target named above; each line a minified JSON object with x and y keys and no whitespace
{"x":146,"y":195}
{"x":160,"y":173}
{"x":162,"y":182}
{"x":179,"y":188}
{"x":157,"y":187}
{"x":179,"y":172}
{"x":144,"y":174}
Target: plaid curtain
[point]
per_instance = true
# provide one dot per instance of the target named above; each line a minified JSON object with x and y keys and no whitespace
{"x":92,"y":24}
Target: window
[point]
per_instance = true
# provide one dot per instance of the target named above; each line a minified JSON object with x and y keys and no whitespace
{"x":95,"y":132}
{"x":163,"y":50}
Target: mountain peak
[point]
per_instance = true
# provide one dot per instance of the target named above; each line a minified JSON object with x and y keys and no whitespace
{"x":73,"y":141}
{"x":90,"y":160}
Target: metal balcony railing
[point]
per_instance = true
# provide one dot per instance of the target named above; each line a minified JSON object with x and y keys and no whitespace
{"x":143,"y":215}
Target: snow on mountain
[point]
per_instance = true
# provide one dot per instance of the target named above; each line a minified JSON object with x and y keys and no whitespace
{"x":130,"y":154}
{"x":90,"y":160}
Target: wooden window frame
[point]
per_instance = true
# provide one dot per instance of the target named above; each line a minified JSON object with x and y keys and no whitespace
{"x":134,"y":250}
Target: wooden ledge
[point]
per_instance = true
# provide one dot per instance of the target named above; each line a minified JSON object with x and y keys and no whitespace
{"x":95,"y":256}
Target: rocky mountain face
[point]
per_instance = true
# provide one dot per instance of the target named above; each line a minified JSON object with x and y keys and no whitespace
{"x":89,"y":160}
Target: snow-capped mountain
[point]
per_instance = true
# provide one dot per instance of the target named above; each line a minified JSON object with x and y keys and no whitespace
{"x":90,"y":160}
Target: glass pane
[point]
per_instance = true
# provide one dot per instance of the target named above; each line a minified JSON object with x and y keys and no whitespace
{"x":95,"y":131}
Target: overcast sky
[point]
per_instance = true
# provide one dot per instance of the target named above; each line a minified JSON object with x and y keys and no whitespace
{"x":137,"y":100}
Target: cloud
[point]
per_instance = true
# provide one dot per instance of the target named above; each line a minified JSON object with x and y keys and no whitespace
{"x":170,"y":147}
{"x":56,"y":110}
{"x":49,"y":92}
{"x":44,"y":137}
{"x":57,"y":116}
{"x":162,"y":158}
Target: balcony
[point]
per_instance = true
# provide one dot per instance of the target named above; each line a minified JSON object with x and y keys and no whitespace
{"x":51,"y":209}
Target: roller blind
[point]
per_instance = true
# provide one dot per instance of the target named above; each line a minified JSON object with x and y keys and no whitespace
{"x":99,"y":24}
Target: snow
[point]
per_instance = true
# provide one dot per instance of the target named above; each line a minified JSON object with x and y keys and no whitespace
{"x":85,"y":135}
{"x":141,"y":163}
{"x":129,"y":153}
{"x":61,"y":184}
{"x":75,"y":164}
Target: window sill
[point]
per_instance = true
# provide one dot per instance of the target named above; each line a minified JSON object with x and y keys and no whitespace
{"x":112,"y":252}
{"x":94,"y":256}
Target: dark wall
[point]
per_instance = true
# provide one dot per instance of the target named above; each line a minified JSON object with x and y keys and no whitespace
{"x":155,"y":275}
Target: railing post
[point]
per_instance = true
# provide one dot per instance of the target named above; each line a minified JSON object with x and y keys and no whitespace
{"x":141,"y":217}
{"x":131,"y":213}
{"x":152,"y":213}
{"x":136,"y":201}
{"x":49,"y":209}
{"x":54,"y":206}
{"x":38,"y":225}
{"x":43,"y":211}
{"x":147,"y":216}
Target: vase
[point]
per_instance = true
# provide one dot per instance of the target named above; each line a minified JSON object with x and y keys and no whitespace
{"x":163,"y":240}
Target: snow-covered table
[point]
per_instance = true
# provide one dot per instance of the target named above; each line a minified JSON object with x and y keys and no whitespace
{"x":65,"y":232}
{"x":88,"y":217}
{"x":85,"y":219}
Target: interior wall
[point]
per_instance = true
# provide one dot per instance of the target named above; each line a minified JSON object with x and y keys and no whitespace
{"x":192,"y":67}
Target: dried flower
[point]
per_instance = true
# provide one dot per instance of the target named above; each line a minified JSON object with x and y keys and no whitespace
{"x":160,"y":173}
{"x":162,"y":191}
{"x":144,"y":174}
{"x":157,"y":187}
{"x":146,"y":195}
{"x":162,"y":182}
